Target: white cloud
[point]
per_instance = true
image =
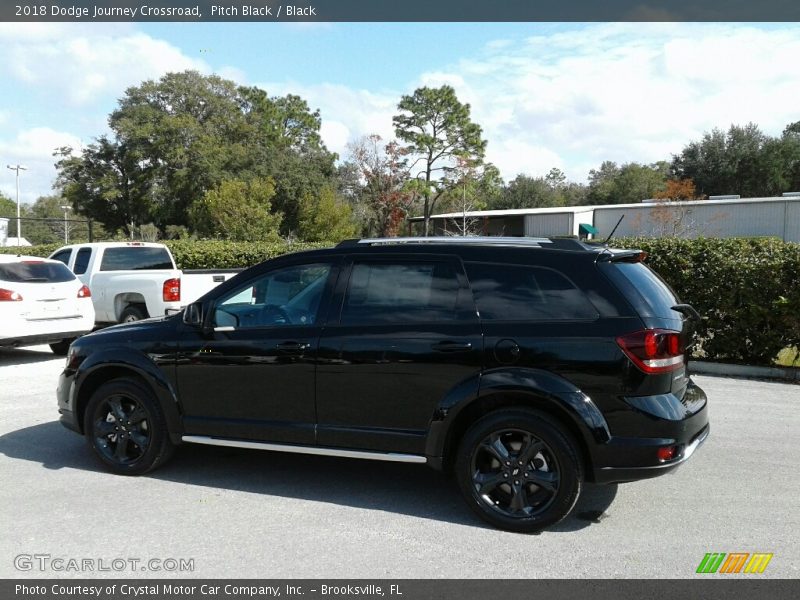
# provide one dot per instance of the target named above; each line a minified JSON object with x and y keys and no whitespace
{"x":615,"y":91}
{"x":33,"y":148}
{"x":624,"y":92}
{"x":78,"y":63}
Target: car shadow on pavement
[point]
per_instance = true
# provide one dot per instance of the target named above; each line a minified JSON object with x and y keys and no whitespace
{"x":394,"y":487}
{"x":10,"y":356}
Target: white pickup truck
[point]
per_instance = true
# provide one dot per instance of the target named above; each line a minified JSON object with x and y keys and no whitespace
{"x":130,"y":281}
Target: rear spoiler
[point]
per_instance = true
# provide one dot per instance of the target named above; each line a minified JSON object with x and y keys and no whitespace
{"x":629,"y":256}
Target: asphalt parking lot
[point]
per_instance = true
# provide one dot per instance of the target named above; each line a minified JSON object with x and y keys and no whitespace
{"x":240,"y":513}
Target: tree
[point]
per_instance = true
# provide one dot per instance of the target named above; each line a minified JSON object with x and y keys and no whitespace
{"x":383,"y":176}
{"x":324,"y":219}
{"x":630,"y":183}
{"x":175,"y":139}
{"x":436,"y":128}
{"x":741,"y":161}
{"x":525,"y":191}
{"x":677,"y":189}
{"x":238,"y":210}
{"x":8,"y":210}
{"x":106,"y":183}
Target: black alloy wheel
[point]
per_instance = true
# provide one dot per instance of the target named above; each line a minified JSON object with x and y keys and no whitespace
{"x":125,"y":427}
{"x":515,"y":473}
{"x":519,"y":470}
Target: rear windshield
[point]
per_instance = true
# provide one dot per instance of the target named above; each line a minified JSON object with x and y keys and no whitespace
{"x":135,"y":259}
{"x":35,"y":272}
{"x":649,"y":294}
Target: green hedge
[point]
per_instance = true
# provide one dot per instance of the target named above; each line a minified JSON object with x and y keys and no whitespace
{"x":747,"y":290}
{"x":205,"y":254}
{"x":213,"y":254}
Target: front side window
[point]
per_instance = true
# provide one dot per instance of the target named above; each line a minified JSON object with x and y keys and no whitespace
{"x":400,"y":293}
{"x":519,"y":293}
{"x":284,"y":297}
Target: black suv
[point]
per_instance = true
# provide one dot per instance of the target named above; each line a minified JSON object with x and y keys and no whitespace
{"x":526,"y":366}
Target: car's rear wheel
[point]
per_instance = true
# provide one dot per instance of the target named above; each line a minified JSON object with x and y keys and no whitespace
{"x":126,"y":428}
{"x":519,"y":470}
{"x":133,"y":313}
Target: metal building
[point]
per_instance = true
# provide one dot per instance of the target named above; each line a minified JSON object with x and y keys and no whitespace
{"x":721,"y":217}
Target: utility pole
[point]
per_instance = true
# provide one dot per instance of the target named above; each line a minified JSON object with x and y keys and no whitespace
{"x":18,"y":168}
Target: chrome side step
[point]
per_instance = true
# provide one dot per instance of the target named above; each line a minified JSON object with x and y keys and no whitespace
{"x":391,"y":457}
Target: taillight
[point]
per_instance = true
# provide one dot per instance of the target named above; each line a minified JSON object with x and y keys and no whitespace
{"x":9,"y":296}
{"x":172,"y":290}
{"x":653,"y":350}
{"x":84,"y":292}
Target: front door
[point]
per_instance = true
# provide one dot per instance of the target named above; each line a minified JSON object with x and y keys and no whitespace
{"x":250,"y":375}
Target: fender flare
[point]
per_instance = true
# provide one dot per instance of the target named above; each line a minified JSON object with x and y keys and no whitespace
{"x":112,"y":362}
{"x":542,"y":387}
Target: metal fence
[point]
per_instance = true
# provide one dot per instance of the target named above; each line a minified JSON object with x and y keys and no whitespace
{"x":36,"y":230}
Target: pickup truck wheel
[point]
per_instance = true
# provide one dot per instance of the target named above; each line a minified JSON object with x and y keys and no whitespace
{"x":131,"y":314}
{"x":61,"y":348}
{"x":518,"y":470}
{"x":126,"y":428}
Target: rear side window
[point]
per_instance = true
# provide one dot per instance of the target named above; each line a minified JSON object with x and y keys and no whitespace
{"x":62,"y":256}
{"x":35,"y":272}
{"x":135,"y":259}
{"x":644,"y":289}
{"x":518,"y":293}
{"x":82,"y":261}
{"x":400,"y":293}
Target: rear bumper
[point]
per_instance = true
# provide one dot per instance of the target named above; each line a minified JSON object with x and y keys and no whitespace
{"x":634,"y":473}
{"x":42,"y":338}
{"x":652,"y":423}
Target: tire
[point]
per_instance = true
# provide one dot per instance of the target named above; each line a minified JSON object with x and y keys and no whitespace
{"x":536,"y":492}
{"x":133,"y":313}
{"x":126,"y":429}
{"x":61,"y":348}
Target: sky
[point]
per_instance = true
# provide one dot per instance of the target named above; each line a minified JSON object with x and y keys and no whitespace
{"x":546,"y":95}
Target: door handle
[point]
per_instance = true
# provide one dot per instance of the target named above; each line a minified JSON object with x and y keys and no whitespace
{"x":452,"y":346}
{"x":293,"y":346}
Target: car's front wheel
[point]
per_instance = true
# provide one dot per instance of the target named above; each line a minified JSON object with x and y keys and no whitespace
{"x":61,"y":348}
{"x":125,"y":427}
{"x":519,"y":470}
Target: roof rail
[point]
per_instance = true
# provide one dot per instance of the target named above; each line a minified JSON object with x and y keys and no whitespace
{"x":493,"y":240}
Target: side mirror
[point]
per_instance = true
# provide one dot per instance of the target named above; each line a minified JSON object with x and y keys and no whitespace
{"x":193,"y":314}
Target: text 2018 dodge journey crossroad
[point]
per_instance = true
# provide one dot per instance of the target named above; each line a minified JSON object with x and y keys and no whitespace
{"x":525,"y":366}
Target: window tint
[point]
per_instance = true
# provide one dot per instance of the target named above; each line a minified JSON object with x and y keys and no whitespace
{"x":650,"y":295}
{"x":289,"y":296}
{"x":62,"y":256}
{"x":135,"y":258}
{"x":82,"y":261}
{"x":400,"y":292}
{"x":35,"y":272}
{"x":517,"y":293}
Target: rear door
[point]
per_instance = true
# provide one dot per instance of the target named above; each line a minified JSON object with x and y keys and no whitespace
{"x":404,"y":334}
